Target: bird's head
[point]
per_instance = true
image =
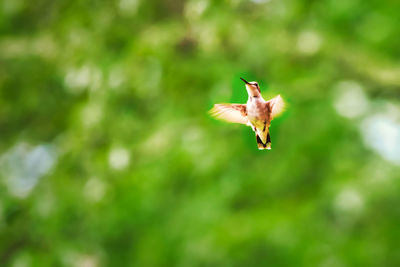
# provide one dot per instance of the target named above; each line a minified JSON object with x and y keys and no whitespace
{"x":252,"y":88}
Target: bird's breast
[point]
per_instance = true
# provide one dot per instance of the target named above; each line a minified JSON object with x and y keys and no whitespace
{"x":257,"y":112}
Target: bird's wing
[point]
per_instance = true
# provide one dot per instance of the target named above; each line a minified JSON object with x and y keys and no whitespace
{"x":236,"y":113}
{"x":277,"y":106}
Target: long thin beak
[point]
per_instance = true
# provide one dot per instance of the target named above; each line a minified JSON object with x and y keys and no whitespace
{"x":244,"y":80}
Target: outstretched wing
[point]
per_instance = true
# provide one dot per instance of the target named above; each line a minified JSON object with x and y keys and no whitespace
{"x":236,"y":113}
{"x":277,"y":106}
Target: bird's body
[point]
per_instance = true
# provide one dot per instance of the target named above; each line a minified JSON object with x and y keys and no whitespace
{"x":256,"y":113}
{"x":258,"y":116}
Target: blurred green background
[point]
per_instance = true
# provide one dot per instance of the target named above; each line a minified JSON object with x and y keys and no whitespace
{"x":109,"y":158}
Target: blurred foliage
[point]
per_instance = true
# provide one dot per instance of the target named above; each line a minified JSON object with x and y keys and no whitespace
{"x":108,"y":156}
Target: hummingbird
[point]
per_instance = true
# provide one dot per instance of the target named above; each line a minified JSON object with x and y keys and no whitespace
{"x":256,"y":113}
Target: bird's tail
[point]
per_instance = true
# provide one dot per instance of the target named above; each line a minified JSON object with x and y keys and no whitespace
{"x":261,"y":145}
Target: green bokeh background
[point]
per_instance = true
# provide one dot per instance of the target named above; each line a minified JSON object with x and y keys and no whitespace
{"x":109,"y":158}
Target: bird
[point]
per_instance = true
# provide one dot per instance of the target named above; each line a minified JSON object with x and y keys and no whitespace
{"x":256,"y":113}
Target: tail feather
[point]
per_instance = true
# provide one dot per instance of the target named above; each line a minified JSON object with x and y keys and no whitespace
{"x":261,"y":145}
